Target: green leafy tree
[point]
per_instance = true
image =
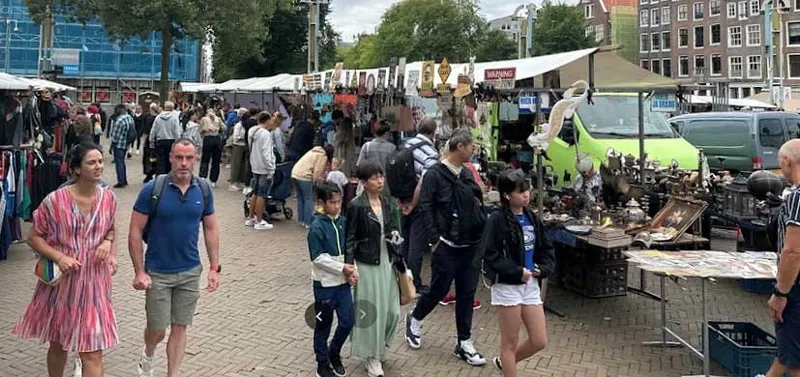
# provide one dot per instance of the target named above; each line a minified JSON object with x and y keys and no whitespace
{"x":495,"y":45}
{"x":429,"y":29}
{"x":174,"y":19}
{"x":560,"y":28}
{"x":283,"y":46}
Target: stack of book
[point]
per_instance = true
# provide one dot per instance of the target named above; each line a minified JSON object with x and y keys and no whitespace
{"x":609,"y":238}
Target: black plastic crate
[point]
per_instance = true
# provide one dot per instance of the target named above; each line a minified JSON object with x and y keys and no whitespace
{"x":742,"y":348}
{"x":598,"y":281}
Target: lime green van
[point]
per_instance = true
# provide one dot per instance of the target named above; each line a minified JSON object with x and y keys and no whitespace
{"x":613,"y":123}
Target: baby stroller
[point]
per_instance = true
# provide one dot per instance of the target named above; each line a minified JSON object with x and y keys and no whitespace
{"x":280,"y":192}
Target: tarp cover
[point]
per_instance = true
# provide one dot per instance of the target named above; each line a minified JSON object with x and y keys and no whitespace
{"x":612,"y":71}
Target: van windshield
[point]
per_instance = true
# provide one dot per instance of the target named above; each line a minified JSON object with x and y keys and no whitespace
{"x":617,"y":117}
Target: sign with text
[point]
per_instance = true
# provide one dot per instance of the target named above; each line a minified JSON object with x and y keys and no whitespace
{"x":527,"y":103}
{"x":663,"y":102}
{"x":501,"y":78}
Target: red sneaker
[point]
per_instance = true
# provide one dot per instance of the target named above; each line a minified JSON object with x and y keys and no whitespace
{"x":449,"y":299}
{"x":476,"y":304}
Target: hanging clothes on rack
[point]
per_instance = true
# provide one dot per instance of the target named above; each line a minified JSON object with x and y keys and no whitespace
{"x":11,"y":125}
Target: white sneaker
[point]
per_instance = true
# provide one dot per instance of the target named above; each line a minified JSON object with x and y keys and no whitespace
{"x":137,"y":152}
{"x":213,"y":184}
{"x":145,"y":366}
{"x":234,"y":187}
{"x":247,"y":190}
{"x":263,"y":225}
{"x":250,"y":222}
{"x":78,"y":367}
{"x":374,"y":368}
{"x":466,"y":351}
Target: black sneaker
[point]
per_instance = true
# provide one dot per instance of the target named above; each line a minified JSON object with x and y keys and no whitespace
{"x":336,"y":365}
{"x":120,"y":185}
{"x":467,"y":352}
{"x":498,"y":364}
{"x":324,"y":370}
{"x":412,"y":332}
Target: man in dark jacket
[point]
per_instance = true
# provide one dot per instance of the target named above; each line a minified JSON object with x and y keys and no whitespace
{"x":302,"y":140}
{"x":451,"y":209}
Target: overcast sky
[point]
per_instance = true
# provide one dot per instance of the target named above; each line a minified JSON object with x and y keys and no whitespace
{"x":351,"y":17}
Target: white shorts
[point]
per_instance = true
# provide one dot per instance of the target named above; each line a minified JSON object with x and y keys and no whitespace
{"x":517,"y":294}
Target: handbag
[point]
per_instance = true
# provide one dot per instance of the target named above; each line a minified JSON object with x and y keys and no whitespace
{"x":46,"y":269}
{"x":405,"y":283}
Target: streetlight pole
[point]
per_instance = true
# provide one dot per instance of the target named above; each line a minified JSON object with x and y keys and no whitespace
{"x":313,"y":32}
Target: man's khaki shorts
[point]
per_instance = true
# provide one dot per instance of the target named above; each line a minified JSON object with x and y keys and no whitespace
{"x":172,"y":298}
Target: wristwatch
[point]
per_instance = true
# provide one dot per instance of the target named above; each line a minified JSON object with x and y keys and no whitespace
{"x":218,"y":269}
{"x":777,"y":293}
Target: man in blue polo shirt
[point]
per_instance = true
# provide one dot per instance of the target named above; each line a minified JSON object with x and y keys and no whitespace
{"x":170,"y":270}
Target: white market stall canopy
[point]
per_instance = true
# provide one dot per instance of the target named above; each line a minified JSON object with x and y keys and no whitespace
{"x":735,"y":102}
{"x":11,"y":82}
{"x":525,"y":69}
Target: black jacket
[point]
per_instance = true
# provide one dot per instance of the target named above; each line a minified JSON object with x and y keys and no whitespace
{"x":364,"y":231}
{"x":302,"y":139}
{"x":436,"y":201}
{"x":503,"y":259}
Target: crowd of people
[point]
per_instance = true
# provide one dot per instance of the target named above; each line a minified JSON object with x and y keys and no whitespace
{"x":411,"y":198}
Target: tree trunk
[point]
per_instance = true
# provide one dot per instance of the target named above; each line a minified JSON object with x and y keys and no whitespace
{"x":166,"y":47}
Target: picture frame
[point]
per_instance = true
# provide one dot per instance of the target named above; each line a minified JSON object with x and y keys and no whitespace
{"x":679,"y":214}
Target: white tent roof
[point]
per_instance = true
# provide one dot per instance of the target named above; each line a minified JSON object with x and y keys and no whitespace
{"x":11,"y":82}
{"x":736,"y":102}
{"x":194,"y":87}
{"x":526,"y":68}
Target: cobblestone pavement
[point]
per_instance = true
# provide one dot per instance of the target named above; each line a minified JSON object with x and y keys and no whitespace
{"x":254,"y":325}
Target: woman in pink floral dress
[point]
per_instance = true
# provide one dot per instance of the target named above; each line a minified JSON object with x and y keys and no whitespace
{"x":74,"y":226}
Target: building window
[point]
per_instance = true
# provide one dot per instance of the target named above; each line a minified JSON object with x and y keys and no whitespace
{"x":683,"y":38}
{"x":643,"y":2}
{"x":644,"y":43}
{"x":653,"y":1}
{"x":644,"y":18}
{"x":743,"y":10}
{"x":754,"y":66}
{"x":589,"y":11}
{"x":666,"y":67}
{"x":754,"y":35}
{"x":599,"y":33}
{"x":716,"y":65}
{"x":734,"y":92}
{"x":735,"y":36}
{"x":655,"y":66}
{"x":646,"y":65}
{"x":755,"y":8}
{"x":735,"y":67}
{"x":713,"y":8}
{"x":796,"y":5}
{"x":794,"y":66}
{"x":698,"y":11}
{"x":716,"y":34}
{"x":745,"y":92}
{"x":665,"y":16}
{"x":698,"y":37}
{"x":655,"y":41}
{"x":793,"y":33}
{"x":683,"y":66}
{"x":731,"y":10}
{"x":589,"y":30}
{"x":699,"y":65}
{"x":682,"y":9}
{"x":756,"y":90}
{"x":655,"y":17}
{"x":666,"y":43}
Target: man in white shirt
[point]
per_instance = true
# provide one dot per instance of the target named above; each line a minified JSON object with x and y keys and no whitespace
{"x":262,"y":163}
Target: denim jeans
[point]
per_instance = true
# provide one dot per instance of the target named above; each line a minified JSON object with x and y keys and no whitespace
{"x":326,"y":302}
{"x":119,"y":163}
{"x":450,"y":264}
{"x":305,"y":201}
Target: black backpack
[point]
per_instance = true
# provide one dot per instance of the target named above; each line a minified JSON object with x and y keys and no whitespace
{"x":158,"y":190}
{"x":401,"y":176}
{"x":132,"y":134}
